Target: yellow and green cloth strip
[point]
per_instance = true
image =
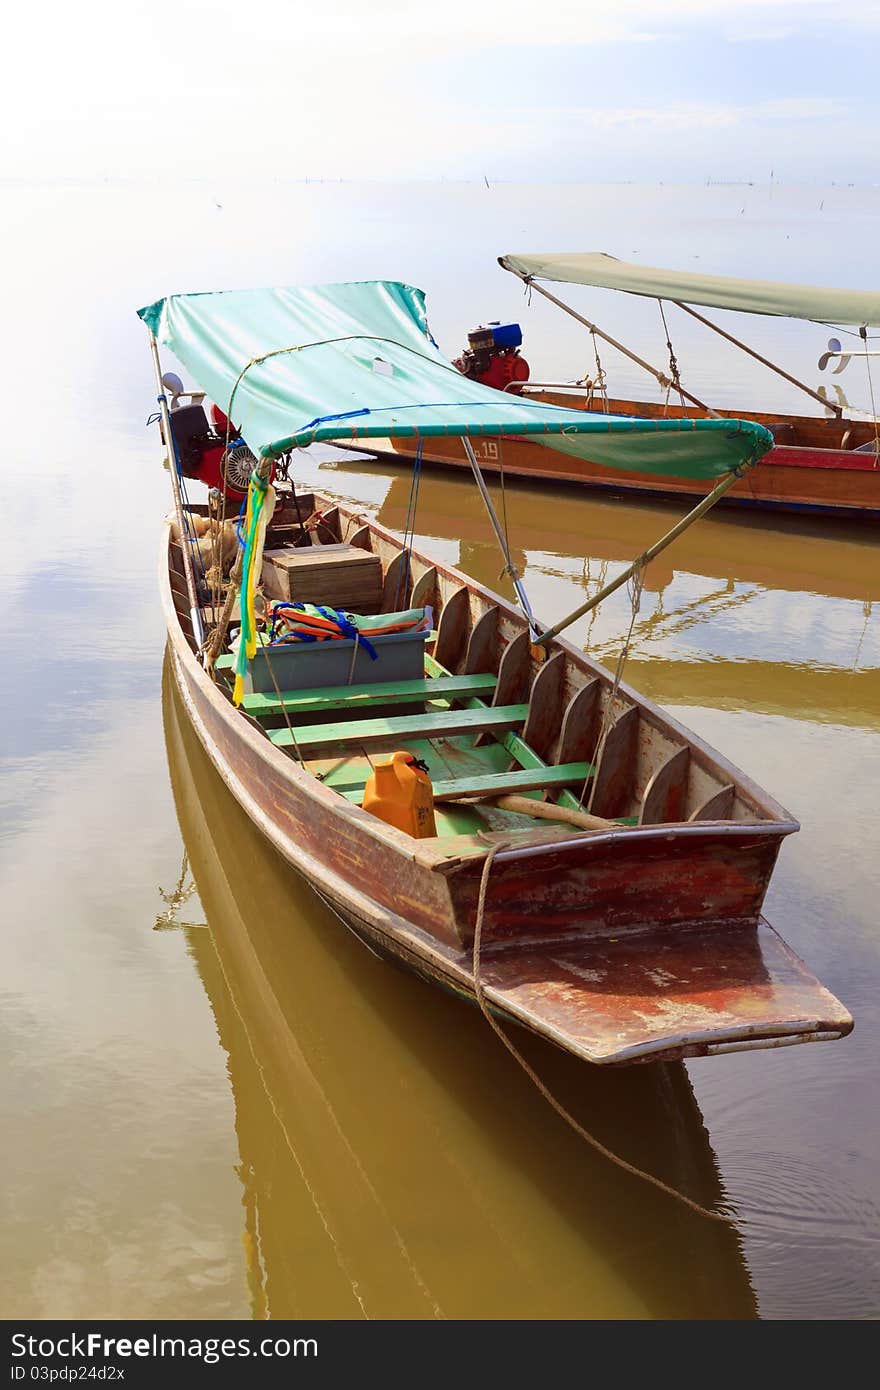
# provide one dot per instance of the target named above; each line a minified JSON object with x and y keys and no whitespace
{"x":260,"y":506}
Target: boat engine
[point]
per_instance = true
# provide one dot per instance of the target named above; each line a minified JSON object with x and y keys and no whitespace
{"x":493,"y":358}
{"x":200,"y":445}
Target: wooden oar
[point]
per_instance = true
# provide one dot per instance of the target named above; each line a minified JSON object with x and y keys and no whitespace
{"x":546,"y":810}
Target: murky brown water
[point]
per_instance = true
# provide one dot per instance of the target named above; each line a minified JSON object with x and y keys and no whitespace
{"x":246,"y":1113}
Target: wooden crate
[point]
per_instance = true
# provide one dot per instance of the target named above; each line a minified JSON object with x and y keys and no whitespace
{"x":341,"y":576}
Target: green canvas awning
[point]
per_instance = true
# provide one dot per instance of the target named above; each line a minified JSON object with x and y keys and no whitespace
{"x":357,"y":361}
{"x":713,"y":291}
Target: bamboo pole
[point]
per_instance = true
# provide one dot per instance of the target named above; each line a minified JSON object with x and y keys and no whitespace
{"x":706,"y":505}
{"x":765,"y":361}
{"x":541,"y":810}
{"x":661,"y":377}
{"x":182,"y":530}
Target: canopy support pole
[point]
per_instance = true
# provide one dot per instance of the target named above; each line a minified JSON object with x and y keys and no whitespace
{"x":706,"y":505}
{"x":195,"y":614}
{"x":765,"y":361}
{"x":510,"y":567}
{"x":660,"y":377}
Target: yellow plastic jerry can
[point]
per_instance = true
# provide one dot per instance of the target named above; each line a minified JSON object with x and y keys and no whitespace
{"x":400,"y":793}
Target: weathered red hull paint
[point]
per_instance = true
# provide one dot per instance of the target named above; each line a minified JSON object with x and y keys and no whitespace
{"x":612,"y":884}
{"x":787,"y":478}
{"x":614,"y":994}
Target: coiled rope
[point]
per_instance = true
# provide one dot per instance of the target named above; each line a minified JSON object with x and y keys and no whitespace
{"x":594,"y":1143}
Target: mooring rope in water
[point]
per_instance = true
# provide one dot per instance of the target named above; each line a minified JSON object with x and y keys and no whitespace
{"x":480,"y":991}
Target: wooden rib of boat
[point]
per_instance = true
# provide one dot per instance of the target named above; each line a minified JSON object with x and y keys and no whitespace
{"x":812,"y":468}
{"x":635,"y":939}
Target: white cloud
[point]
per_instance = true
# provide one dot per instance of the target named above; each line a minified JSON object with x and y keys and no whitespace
{"x":687,"y":116}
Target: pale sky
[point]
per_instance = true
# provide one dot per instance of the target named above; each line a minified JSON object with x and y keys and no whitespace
{"x":546,"y":90}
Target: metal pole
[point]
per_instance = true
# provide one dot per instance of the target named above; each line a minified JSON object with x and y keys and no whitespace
{"x":659,"y":376}
{"x":521,"y":594}
{"x":182,"y":530}
{"x":700,"y":510}
{"x":764,"y":360}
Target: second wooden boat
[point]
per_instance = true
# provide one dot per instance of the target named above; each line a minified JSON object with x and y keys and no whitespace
{"x":826,"y":465}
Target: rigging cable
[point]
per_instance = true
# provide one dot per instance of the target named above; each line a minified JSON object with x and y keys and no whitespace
{"x":409,"y":528}
{"x":863,"y":334}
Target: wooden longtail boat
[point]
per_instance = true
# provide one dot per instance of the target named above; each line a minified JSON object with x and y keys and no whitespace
{"x":630,"y":862}
{"x":827,"y":465}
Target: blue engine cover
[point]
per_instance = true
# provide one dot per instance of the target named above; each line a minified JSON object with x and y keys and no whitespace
{"x":506,"y":335}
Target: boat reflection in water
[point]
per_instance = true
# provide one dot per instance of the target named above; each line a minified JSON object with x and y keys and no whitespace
{"x":395,"y":1161}
{"x":701,"y":635}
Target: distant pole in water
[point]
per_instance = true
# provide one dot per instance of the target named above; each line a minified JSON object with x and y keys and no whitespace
{"x":486,"y":181}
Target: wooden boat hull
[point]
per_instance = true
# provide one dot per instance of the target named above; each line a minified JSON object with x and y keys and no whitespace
{"x":655,"y":946}
{"x":816,"y":476}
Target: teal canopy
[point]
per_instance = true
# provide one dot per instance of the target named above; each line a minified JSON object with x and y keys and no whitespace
{"x":294,"y":367}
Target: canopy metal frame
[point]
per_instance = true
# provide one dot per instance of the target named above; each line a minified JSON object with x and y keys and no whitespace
{"x":660,"y":377}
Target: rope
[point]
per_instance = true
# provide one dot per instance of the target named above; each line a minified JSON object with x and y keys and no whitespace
{"x":480,"y":992}
{"x":601,"y":382}
{"x":328,"y":342}
{"x":216,"y":550}
{"x":265,"y":650}
{"x":673,"y":362}
{"x":410,"y":525}
{"x":508,"y":568}
{"x":354,"y":654}
{"x":634,"y":587}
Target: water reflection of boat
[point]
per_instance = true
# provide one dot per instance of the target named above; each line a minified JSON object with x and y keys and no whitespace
{"x":801,"y":687}
{"x":766,"y":687}
{"x":394,"y":1161}
{"x":729,"y":547}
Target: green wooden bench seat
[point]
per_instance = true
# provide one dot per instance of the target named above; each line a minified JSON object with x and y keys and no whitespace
{"x":390,"y":733}
{"x":499,"y":783}
{"x":360,"y":696}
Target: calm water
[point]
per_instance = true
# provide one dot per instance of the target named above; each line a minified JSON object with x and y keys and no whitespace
{"x":243,"y":1112}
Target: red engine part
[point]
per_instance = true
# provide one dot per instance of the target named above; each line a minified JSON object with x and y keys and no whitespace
{"x":209,"y":471}
{"x":200,"y":448}
{"x":220,"y":423}
{"x":503,"y":370}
